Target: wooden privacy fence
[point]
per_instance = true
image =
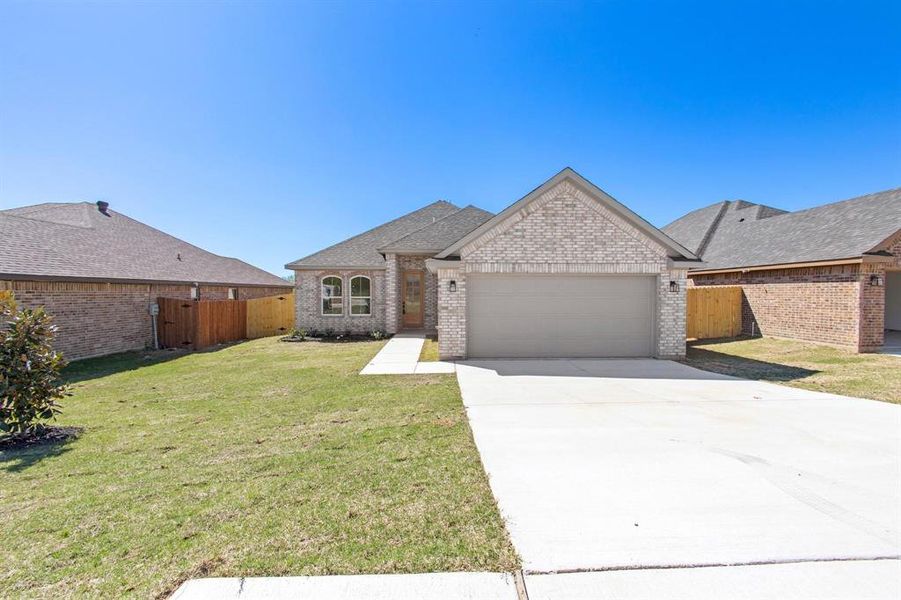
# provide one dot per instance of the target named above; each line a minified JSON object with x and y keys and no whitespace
{"x":270,"y":316}
{"x":713,"y":312}
{"x":199,"y":324}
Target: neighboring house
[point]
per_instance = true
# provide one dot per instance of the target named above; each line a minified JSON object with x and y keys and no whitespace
{"x":97,"y":272}
{"x":828,"y":274}
{"x":566,"y":271}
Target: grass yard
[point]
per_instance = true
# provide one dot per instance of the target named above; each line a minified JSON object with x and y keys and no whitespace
{"x":429,"y":350}
{"x":809,"y":366}
{"x":263,"y":458}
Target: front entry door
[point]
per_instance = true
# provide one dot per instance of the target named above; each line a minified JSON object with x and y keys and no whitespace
{"x":413,"y":292}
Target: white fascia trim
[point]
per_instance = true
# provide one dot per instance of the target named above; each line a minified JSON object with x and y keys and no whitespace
{"x":433,"y":264}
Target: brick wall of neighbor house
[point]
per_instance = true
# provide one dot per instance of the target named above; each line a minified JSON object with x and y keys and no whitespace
{"x":565,"y":231}
{"x":828,"y":304}
{"x":817,"y":304}
{"x":104,"y":318}
{"x":308,"y":303}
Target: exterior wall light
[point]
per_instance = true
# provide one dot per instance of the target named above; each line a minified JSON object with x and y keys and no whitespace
{"x":674,"y":286}
{"x":875,"y":280}
{"x":452,"y":286}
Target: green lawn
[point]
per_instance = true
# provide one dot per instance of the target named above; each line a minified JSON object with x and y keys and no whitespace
{"x":263,"y":458}
{"x":799,"y":364}
{"x":429,"y":350}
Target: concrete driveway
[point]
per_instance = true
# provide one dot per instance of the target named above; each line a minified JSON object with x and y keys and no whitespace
{"x":625,"y":464}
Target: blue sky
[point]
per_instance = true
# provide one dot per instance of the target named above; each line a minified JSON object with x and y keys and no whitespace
{"x":268,"y":130}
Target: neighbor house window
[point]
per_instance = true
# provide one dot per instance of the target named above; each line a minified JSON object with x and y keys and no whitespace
{"x":232,"y":293}
{"x":360,"y":296}
{"x":332,"y":296}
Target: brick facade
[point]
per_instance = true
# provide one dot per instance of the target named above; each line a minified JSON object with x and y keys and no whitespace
{"x":563,"y":231}
{"x":308,"y":303}
{"x":95,"y":319}
{"x":387,"y":298}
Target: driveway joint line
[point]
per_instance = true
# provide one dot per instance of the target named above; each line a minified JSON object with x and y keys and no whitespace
{"x":753,"y":563}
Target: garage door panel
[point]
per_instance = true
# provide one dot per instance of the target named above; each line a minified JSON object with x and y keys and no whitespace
{"x":560,"y":316}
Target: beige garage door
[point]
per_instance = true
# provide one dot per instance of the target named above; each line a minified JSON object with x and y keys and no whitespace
{"x":559,"y":315}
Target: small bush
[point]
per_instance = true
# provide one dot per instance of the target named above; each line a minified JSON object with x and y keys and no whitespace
{"x":30,"y":382}
{"x":298,"y":334}
{"x":377,"y":335}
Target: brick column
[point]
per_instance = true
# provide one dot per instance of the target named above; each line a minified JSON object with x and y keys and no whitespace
{"x":872,"y":309}
{"x":391,"y":294}
{"x":451,"y":314}
{"x":671,"y":308}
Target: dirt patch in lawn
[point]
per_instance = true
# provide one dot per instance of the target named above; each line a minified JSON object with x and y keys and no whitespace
{"x":47,"y":435}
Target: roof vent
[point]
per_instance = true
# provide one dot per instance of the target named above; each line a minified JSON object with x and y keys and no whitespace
{"x":103,"y":206}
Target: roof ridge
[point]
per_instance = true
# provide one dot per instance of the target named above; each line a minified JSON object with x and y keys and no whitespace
{"x":370,"y":230}
{"x":714,"y":225}
{"x":392,"y":242}
{"x":7,"y":210}
{"x":828,"y":204}
{"x":433,"y":223}
{"x":25,"y":217}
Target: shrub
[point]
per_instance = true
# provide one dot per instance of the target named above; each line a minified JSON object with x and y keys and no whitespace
{"x":377,"y":334}
{"x":298,"y":334}
{"x":30,"y":382}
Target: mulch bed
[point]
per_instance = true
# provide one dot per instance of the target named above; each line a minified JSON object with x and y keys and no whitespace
{"x":330,"y":339}
{"x":48,"y":435}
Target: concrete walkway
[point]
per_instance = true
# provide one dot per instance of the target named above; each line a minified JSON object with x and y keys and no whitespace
{"x":892,"y":344}
{"x":432,"y":586}
{"x":400,"y":356}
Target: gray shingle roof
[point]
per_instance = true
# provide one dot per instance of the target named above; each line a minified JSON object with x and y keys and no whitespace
{"x":76,"y":240}
{"x":691,"y":230}
{"x":361,"y":251}
{"x":442,"y":233}
{"x":747,"y":235}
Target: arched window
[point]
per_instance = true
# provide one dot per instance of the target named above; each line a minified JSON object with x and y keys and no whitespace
{"x":360,"y":296}
{"x":332,"y":296}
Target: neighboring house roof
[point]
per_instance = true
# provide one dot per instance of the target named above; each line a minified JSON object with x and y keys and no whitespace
{"x":442,"y":233}
{"x":694,"y":229}
{"x":78,"y":241}
{"x":362,"y":251}
{"x":675,"y":249}
{"x":741,"y":234}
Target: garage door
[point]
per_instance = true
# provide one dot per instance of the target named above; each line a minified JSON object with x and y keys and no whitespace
{"x":559,"y":315}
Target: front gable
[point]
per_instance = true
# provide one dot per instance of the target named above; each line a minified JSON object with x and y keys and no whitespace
{"x":567,"y":220}
{"x":564,"y":225}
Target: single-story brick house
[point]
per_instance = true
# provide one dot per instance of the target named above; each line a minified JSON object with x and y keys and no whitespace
{"x":829,"y":274}
{"x":97,"y":272}
{"x":566,"y":271}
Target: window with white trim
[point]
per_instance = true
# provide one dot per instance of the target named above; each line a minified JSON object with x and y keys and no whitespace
{"x":332,"y":296}
{"x":232,"y":293}
{"x":360,"y":296}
